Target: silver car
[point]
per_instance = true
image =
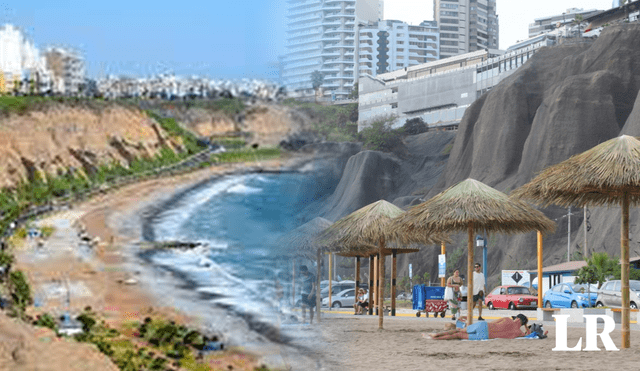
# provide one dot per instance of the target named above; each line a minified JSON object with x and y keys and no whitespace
{"x":344,"y":298}
{"x":610,"y":294}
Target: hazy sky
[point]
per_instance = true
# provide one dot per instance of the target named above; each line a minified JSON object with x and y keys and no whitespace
{"x":226,"y":39}
{"x":514,"y":15}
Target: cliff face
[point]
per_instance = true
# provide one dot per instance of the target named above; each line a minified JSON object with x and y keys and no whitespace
{"x":62,"y":137}
{"x":564,"y":100}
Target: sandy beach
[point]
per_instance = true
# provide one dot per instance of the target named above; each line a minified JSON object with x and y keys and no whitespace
{"x":354,"y":343}
{"x":109,"y":279}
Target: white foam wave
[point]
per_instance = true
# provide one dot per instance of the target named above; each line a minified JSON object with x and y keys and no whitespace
{"x":243,"y":189}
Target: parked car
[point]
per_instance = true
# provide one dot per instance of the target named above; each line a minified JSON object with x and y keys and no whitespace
{"x":405,"y":296}
{"x":610,"y":294}
{"x":570,"y":295}
{"x":345,"y":298}
{"x":511,"y":297}
{"x":338,"y":287}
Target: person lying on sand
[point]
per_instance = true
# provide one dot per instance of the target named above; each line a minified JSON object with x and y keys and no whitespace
{"x":504,"y":328}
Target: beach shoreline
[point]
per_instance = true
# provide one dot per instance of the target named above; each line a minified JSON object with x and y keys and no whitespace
{"x":115,"y":282}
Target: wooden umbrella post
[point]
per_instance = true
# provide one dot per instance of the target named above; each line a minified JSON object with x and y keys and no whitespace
{"x":443,"y":250}
{"x":624,"y":276}
{"x":357,"y":275}
{"x":393,"y":283}
{"x":539,"y":269}
{"x":470,"y":248}
{"x":376,"y":260}
{"x":319,"y":273}
{"x":371,"y":274}
{"x":381,"y":285}
{"x":330,"y":278}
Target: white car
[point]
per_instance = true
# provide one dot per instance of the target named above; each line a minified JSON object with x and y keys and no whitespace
{"x":345,"y":298}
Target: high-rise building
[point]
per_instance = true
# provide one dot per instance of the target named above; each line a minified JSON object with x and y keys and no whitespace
{"x":466,"y":26}
{"x":390,"y":45}
{"x":321,"y":37}
{"x":18,"y":57}
{"x":550,"y":23}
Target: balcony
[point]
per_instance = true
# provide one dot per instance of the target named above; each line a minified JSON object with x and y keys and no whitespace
{"x":330,"y":69}
{"x":330,"y":54}
{"x":292,"y":66}
{"x":334,"y":8}
{"x":301,"y":41}
{"x":331,"y":38}
{"x":304,"y":18}
{"x":328,"y":23}
{"x":301,"y":26}
{"x":304,"y":10}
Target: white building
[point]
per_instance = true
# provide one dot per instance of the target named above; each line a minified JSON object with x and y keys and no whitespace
{"x":550,"y":23}
{"x":67,"y":70}
{"x":390,"y":45}
{"x":321,"y":37}
{"x":466,"y":26}
{"x":18,"y":56}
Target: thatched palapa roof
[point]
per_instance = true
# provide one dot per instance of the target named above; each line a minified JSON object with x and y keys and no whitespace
{"x":302,"y":241}
{"x":598,"y":176}
{"x":360,"y":232}
{"x":469,"y":201}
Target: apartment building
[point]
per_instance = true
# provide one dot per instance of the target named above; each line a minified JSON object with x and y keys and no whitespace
{"x":391,"y":45}
{"x":439,"y":92}
{"x":18,"y":57}
{"x":67,"y":70}
{"x":321,"y":37}
{"x":466,"y":26}
{"x":547,"y":24}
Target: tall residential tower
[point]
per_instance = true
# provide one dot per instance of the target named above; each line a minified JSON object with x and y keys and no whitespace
{"x":466,"y":26}
{"x":390,"y":45}
{"x":321,"y":37}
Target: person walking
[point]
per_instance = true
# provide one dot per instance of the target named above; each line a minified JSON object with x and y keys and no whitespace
{"x":308,"y":293}
{"x":478,"y":290}
{"x":452,"y":294}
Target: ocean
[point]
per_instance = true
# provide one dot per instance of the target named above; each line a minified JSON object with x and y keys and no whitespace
{"x":239,"y":219}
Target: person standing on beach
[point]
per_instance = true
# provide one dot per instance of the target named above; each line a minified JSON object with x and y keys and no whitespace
{"x":454,"y":282}
{"x":308,"y":293}
{"x":478,"y":290}
{"x":503,"y":328}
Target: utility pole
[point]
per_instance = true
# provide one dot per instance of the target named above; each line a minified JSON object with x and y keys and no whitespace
{"x":569,"y":235}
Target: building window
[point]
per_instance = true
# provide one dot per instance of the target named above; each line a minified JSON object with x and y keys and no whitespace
{"x":450,"y":21}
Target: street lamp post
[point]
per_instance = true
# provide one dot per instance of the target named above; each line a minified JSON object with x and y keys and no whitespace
{"x":482,"y":242}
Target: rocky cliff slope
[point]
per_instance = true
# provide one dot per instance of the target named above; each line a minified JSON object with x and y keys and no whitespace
{"x":563,"y":101}
{"x":63,"y":137}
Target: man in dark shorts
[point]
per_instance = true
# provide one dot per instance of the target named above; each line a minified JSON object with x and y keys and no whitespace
{"x":308,"y":293}
{"x":478,"y":290}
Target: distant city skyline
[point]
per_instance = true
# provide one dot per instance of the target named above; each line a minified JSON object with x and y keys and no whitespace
{"x":514,"y":16}
{"x":210,"y":38}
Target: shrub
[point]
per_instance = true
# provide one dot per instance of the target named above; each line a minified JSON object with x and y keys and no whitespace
{"x":379,"y":137}
{"x":20,"y":292}
{"x":47,"y":231}
{"x":415,"y":126}
{"x":87,"y":321}
{"x":46,"y":320}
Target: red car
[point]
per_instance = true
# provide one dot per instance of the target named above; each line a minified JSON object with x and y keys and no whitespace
{"x":511,"y":297}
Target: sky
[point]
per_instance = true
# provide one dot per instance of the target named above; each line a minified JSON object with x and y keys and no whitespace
{"x":219,"y":39}
{"x":514,"y":15}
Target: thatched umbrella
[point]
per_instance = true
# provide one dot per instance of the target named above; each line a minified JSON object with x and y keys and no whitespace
{"x":608,"y":173}
{"x":302,"y":242}
{"x":370,"y":251}
{"x":469,"y":205}
{"x":362,"y":228}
